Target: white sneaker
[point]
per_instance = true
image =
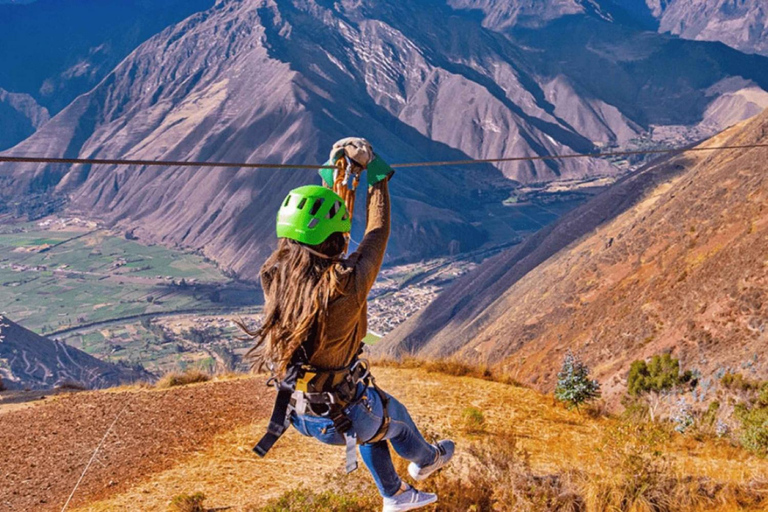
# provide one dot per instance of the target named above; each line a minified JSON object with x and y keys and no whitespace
{"x":409,"y":499}
{"x":445,"y":448}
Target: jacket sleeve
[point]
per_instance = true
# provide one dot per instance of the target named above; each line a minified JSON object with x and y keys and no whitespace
{"x":370,"y":253}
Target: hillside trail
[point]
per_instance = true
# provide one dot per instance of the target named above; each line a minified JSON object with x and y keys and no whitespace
{"x":233,"y":478}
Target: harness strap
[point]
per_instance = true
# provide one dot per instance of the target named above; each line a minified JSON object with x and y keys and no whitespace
{"x":278,"y":423}
{"x":281,"y":412}
{"x":386,"y":419}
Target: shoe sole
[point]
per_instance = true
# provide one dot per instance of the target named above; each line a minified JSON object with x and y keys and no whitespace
{"x":420,"y":477}
{"x":409,"y":506}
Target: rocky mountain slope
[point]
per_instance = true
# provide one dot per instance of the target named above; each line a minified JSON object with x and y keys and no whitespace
{"x":742,"y":25}
{"x":20,"y":117}
{"x":671,"y":258}
{"x":279,"y":81}
{"x":52,"y":51}
{"x":30,"y":361}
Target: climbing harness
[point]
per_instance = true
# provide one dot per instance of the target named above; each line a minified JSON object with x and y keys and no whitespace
{"x":311,"y":391}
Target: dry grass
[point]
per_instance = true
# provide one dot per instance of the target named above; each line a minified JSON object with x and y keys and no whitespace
{"x":452,"y":367}
{"x":531,"y":457}
{"x":188,"y":503}
{"x":173,"y":379}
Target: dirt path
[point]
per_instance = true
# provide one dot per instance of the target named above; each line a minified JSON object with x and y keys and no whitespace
{"x":44,"y":448}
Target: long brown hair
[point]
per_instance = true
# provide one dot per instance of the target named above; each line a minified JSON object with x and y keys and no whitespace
{"x":298,"y":286}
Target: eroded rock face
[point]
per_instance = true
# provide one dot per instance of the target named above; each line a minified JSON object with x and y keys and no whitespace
{"x":29,"y":361}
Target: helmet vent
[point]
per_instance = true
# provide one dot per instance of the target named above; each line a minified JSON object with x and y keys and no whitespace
{"x":316,"y":206}
{"x":287,"y":200}
{"x":334,"y":210}
{"x":302,"y":203}
{"x":313,"y":223}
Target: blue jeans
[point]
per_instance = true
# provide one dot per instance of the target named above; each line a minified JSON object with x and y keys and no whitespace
{"x":366,"y":415}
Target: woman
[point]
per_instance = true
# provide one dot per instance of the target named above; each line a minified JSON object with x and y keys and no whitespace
{"x":315,"y":317}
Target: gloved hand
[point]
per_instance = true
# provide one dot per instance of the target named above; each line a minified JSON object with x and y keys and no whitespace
{"x":360,"y":152}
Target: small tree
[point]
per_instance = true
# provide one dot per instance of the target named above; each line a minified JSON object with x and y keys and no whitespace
{"x":661,"y":374}
{"x":574,"y":387}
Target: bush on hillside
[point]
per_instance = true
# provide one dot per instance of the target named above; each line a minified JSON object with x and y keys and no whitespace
{"x":737,"y":382}
{"x":574,"y":387}
{"x":661,"y":374}
{"x":174,"y":379}
{"x":474,"y":420}
{"x":754,"y":423}
{"x":188,"y":503}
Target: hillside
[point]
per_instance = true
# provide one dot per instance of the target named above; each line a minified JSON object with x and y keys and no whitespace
{"x":741,"y":25}
{"x":54,"y":51}
{"x":30,"y":361}
{"x":669,"y":259}
{"x":275,"y":81}
{"x":198,"y":439}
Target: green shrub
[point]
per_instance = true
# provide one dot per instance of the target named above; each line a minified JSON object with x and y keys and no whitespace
{"x":754,"y":427}
{"x":474,"y":420}
{"x":736,"y":381}
{"x":710,"y":416}
{"x":574,"y":387}
{"x":187,"y":503}
{"x":763,"y":397}
{"x":662,"y":373}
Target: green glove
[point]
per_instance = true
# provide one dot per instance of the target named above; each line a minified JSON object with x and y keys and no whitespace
{"x":327,"y":174}
{"x":378,"y":170}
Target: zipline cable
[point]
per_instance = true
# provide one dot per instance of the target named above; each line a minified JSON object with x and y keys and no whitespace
{"x":93,"y":457}
{"x":438,"y":163}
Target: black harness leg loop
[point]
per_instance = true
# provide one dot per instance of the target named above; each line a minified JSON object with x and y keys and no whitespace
{"x":278,"y":423}
{"x":281,"y":412}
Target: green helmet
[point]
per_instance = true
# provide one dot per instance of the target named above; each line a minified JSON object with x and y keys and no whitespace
{"x":311,"y":214}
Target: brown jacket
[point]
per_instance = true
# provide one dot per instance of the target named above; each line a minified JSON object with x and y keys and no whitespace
{"x":347,"y":318}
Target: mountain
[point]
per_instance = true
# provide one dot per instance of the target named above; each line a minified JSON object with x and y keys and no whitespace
{"x":671,"y":258}
{"x":20,"y":117}
{"x":52,"y":51}
{"x":56,"y":50}
{"x":742,"y":25}
{"x":28,"y":360}
{"x":258,"y":80}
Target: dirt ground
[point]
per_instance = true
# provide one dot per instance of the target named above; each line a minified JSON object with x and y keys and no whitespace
{"x":199,"y":439}
{"x":45,"y":447}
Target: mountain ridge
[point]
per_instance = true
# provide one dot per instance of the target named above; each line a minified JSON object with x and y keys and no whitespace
{"x":264,"y":81}
{"x":30,"y":361}
{"x":680,"y":270}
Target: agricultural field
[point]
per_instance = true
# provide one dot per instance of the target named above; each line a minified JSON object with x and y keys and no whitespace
{"x":98,"y":291}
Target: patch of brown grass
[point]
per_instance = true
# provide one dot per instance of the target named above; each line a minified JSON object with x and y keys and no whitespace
{"x":173,"y":379}
{"x":452,"y":367}
{"x":188,"y":503}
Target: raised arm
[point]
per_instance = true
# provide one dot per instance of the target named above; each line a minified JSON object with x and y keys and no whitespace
{"x":367,"y":260}
{"x":370,"y":253}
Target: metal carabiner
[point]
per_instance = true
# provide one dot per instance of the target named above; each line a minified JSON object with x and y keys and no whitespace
{"x":367,"y":366}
